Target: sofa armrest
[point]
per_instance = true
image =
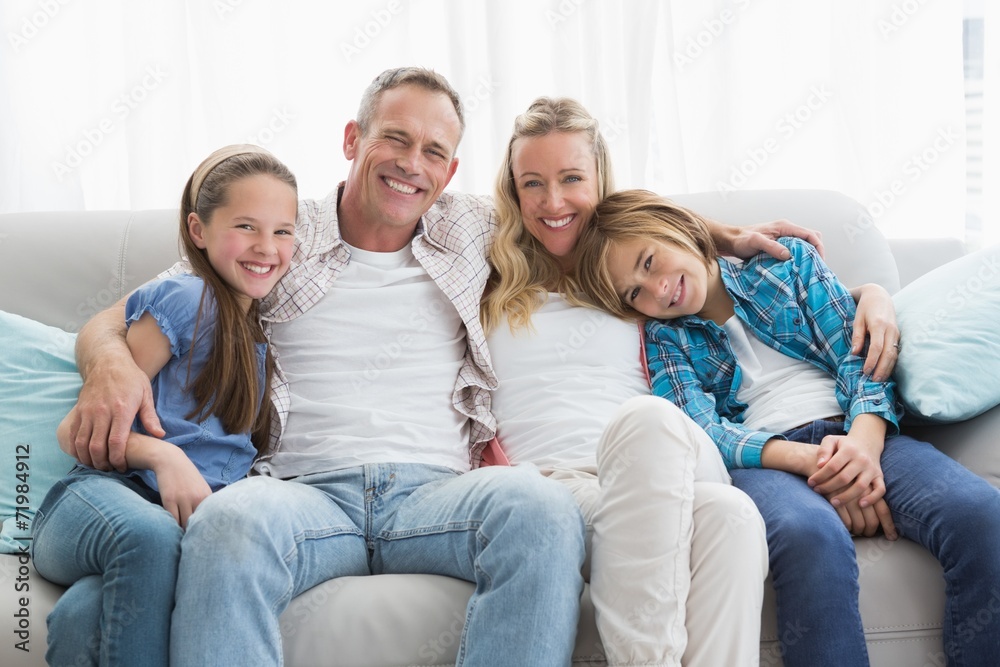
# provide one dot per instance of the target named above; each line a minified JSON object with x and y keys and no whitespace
{"x":915,"y":257}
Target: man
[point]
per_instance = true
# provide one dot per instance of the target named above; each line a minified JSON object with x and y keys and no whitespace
{"x":382,"y":412}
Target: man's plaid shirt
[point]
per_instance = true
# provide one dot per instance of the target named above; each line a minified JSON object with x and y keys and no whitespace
{"x":452,"y":241}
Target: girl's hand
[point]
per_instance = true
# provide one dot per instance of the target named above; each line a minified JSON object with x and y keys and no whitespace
{"x":849,"y":470}
{"x":876,"y":320}
{"x":182,"y":488}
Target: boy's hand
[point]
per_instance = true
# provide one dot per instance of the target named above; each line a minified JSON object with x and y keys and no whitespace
{"x":865,"y":521}
{"x":791,"y":456}
{"x":849,"y":469}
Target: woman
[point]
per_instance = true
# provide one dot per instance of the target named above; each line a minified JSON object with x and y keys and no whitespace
{"x":574,"y":400}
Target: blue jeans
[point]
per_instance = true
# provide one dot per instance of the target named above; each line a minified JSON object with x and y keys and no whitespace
{"x":106,"y":537}
{"x":935,"y":502}
{"x":253,"y":546}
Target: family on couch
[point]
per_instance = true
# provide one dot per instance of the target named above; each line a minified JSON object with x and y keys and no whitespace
{"x":384,"y":461}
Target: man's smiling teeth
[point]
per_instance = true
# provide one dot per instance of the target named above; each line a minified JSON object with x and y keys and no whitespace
{"x":557,"y":222}
{"x":254,"y":268}
{"x":400,"y":187}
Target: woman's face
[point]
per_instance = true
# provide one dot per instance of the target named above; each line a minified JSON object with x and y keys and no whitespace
{"x":556,"y":180}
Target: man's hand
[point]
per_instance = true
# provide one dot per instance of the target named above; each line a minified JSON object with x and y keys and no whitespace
{"x":745,"y":242}
{"x":112,"y":395}
{"x":876,"y":320}
{"x":114,"y":391}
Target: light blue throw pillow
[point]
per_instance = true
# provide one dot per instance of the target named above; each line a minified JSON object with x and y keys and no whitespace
{"x":39,"y":384}
{"x":949,"y":319}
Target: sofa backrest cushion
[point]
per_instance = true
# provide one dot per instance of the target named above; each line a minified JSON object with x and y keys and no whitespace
{"x":61,"y":268}
{"x":855,"y":249}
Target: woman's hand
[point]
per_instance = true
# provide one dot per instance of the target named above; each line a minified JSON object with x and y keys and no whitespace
{"x":876,"y":320}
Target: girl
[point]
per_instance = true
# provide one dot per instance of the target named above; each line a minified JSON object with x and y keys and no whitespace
{"x":199,"y":338}
{"x":759,"y":354}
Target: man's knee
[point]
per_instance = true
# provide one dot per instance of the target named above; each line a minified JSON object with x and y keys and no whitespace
{"x":232,"y":513}
{"x":536,"y":505}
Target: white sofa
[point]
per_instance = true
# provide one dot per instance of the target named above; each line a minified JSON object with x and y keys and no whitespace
{"x":61,"y":267}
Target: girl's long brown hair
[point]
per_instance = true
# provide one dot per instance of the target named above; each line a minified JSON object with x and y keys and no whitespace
{"x":229,"y":386}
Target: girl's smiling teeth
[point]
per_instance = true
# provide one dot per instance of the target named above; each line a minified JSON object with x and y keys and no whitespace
{"x":557,"y":223}
{"x":259,"y":269}
{"x":401,"y":188}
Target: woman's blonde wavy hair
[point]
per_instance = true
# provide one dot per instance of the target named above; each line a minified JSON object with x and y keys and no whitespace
{"x":523,"y":270}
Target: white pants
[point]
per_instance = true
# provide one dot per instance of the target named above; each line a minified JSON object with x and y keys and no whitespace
{"x":678,"y":555}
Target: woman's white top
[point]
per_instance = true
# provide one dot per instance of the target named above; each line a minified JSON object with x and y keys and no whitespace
{"x":561,"y":382}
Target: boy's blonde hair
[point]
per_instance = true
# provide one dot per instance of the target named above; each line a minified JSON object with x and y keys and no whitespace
{"x":626,"y":216}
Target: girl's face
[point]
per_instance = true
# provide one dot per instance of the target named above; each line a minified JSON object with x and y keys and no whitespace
{"x":658,"y":279}
{"x":555,"y":177}
{"x":249,"y":240}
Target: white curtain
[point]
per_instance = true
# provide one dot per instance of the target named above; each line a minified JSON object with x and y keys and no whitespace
{"x":991,"y":124}
{"x":108,"y":104}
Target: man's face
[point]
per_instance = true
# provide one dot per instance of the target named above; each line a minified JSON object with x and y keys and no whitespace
{"x":403,"y":163}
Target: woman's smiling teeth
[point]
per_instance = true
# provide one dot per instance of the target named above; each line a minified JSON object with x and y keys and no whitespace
{"x":557,"y":223}
{"x":401,"y":188}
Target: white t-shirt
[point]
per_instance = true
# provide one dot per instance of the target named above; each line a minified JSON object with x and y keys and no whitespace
{"x":561,"y":384}
{"x":780,"y":392}
{"x":371,"y":371}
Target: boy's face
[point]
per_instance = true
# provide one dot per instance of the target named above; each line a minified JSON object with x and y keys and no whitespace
{"x":658,"y":279}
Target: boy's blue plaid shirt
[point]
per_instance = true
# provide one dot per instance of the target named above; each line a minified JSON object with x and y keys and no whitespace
{"x":798,"y":307}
